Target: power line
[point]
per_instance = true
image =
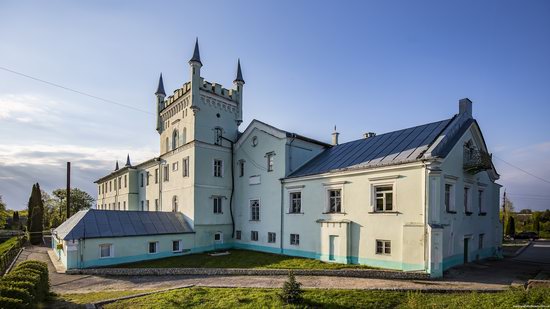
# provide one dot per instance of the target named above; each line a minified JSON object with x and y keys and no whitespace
{"x":76,"y":91}
{"x":526,"y":172}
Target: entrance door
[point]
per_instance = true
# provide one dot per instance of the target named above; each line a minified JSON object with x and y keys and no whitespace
{"x":333,"y":242}
{"x":465,"y":250}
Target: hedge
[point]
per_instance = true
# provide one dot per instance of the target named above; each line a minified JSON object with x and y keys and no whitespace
{"x":25,"y":286}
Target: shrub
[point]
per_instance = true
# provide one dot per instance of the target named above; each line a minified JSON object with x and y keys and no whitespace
{"x":32,"y":276}
{"x":292,"y":292}
{"x":11,"y":303}
{"x":17,"y":293}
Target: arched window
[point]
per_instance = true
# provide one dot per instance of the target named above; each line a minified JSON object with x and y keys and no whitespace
{"x":166,"y":145}
{"x":175,"y":203}
{"x":175,"y":139}
{"x":184,"y":136}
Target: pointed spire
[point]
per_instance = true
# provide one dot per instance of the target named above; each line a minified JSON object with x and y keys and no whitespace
{"x":196,"y":54}
{"x":116,"y":165}
{"x":160,"y":88}
{"x":128,"y":160}
{"x":239,"y":73}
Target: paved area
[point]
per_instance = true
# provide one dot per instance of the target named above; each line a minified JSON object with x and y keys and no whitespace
{"x":489,"y":275}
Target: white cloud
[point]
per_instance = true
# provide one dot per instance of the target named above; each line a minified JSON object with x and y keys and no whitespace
{"x":28,"y":108}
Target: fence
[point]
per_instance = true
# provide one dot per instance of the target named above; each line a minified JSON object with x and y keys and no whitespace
{"x":7,"y":258}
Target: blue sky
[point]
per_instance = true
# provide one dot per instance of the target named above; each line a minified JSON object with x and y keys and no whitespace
{"x":308,"y":65}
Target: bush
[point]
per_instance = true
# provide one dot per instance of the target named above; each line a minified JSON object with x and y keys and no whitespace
{"x":30,"y":276}
{"x":292,"y":292}
{"x":17,"y":293}
{"x":11,"y":303}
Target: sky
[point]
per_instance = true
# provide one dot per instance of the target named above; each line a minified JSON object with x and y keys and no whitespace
{"x":308,"y":65}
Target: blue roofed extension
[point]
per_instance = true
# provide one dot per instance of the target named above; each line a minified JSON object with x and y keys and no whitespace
{"x":402,"y":146}
{"x":94,"y":223}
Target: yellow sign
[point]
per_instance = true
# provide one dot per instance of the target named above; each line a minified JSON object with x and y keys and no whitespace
{"x":59,"y":247}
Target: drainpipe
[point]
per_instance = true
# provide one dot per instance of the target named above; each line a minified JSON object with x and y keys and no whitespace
{"x":160,"y":185}
{"x":282,"y":214}
{"x":232,"y":187}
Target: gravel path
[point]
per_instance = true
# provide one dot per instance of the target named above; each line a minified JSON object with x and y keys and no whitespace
{"x":495,"y":275}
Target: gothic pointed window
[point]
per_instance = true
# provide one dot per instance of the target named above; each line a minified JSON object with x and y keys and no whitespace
{"x":167,"y":145}
{"x":175,"y":139}
{"x":184,"y":136}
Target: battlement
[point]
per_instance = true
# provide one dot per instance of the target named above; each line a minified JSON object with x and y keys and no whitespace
{"x":214,"y":88}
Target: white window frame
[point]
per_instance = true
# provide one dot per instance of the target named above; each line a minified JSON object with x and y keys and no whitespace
{"x":481,"y":200}
{"x":254,"y":233}
{"x":241,"y":168}
{"x":385,"y":246}
{"x":175,"y":166}
{"x":149,"y":247}
{"x":467,"y":196}
{"x":185,"y":167}
{"x":451,"y":208}
{"x":180,"y":249}
{"x":291,"y":200}
{"x":166,"y":173}
{"x":270,"y":158}
{"x":271,"y":237}
{"x":217,"y":204}
{"x":238,"y":234}
{"x":214,"y":173}
{"x":373,"y":198}
{"x":327,"y":199}
{"x":147,"y":205}
{"x":259,"y":209}
{"x":111,"y":250}
{"x":294,"y":239}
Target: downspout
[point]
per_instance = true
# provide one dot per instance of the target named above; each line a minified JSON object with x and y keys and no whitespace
{"x":232,"y":188}
{"x":426,"y":202}
{"x":160,"y":186}
{"x":282,"y":215}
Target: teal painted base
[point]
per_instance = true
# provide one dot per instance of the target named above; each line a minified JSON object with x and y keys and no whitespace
{"x":481,"y":254}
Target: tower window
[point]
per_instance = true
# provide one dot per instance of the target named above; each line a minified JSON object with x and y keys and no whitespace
{"x":270,"y":156}
{"x":175,"y":203}
{"x":175,"y":139}
{"x":217,"y":200}
{"x":218,"y":135}
{"x":218,"y":168}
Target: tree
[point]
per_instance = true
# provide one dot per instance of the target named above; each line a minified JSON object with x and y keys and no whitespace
{"x":526,"y":211}
{"x":3,"y":213}
{"x":536,"y":222}
{"x":292,"y":292}
{"x":16,"y":223}
{"x":80,"y":200}
{"x":36,"y":215}
{"x":511,"y":227}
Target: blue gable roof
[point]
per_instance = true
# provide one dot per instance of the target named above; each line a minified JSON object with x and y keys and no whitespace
{"x":94,"y":223}
{"x":396,"y":147}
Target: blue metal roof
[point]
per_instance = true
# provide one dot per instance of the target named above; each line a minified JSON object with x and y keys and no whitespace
{"x":390,"y":148}
{"x":94,"y":223}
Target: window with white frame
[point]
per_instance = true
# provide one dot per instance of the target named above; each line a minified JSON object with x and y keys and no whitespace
{"x":449,"y":197}
{"x":147,"y":205}
{"x":295,"y":202}
{"x":176,"y":245}
{"x":334,"y":200}
{"x":125,"y":181}
{"x":467,"y":193}
{"x":217,"y":201}
{"x":174,"y":166}
{"x":295,"y":239}
{"x":271,"y":237}
{"x":166,"y":173}
{"x":218,"y":133}
{"x":480,"y":195}
{"x":106,"y":251}
{"x":156,"y":177}
{"x":255,"y":210}
{"x":254,"y":235}
{"x":383,"y":247}
{"x":270,"y":158}
{"x":185,"y":167}
{"x":238,"y":235}
{"x":153,"y":247}
{"x":218,"y":168}
{"x":241,"y":168}
{"x":175,"y":203}
{"x":218,"y":236}
{"x":120,"y":182}
{"x":146,"y":178}
{"x":383,"y":198}
{"x":115,"y":183}
{"x":141,"y":179}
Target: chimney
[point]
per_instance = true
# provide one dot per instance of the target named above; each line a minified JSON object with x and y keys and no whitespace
{"x":465,"y":107}
{"x":335,"y":137}
{"x":369,"y":134}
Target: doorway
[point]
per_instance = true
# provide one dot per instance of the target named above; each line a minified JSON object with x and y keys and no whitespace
{"x":333,"y":243}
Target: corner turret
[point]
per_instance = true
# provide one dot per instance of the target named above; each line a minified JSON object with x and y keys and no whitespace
{"x":160,"y":94}
{"x":196,"y":80}
{"x":239,"y":83}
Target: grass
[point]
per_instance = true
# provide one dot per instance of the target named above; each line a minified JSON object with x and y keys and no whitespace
{"x":6,"y":245}
{"x":239,"y":259}
{"x":87,"y":298}
{"x":199,"y":297}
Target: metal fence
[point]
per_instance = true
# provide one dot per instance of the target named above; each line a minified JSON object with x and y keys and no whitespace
{"x":7,"y":258}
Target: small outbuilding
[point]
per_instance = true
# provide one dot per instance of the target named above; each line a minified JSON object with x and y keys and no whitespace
{"x":92,"y":238}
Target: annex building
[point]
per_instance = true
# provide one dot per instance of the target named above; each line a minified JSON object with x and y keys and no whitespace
{"x":417,"y":199}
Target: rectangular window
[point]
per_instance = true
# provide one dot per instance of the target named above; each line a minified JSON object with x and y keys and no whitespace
{"x":124,"y":205}
{"x":99,"y":189}
{"x":147,"y":205}
{"x":120,"y":182}
{"x":153,"y":247}
{"x":218,"y":236}
{"x":156,"y":175}
{"x":118,"y":206}
{"x":254,"y":235}
{"x":166,"y":173}
{"x":467,"y":209}
{"x":147,"y":178}
{"x":480,"y":201}
{"x":125,"y":181}
{"x":295,"y":239}
{"x":115,"y":183}
{"x":174,"y":166}
{"x":383,"y":247}
{"x":217,"y":204}
{"x":241,"y":168}
{"x":238,"y":235}
{"x":271,"y":237}
{"x":185,"y":167}
{"x":218,"y":168}
{"x":142,"y":206}
{"x":480,"y":246}
{"x":270,"y":156}
{"x":384,"y":198}
{"x":334,"y":200}
{"x":295,"y":202}
{"x":106,"y":251}
{"x":141,"y":181}
{"x":157,"y":204}
{"x":176,"y":246}
{"x":255,"y":210}
{"x":449,"y":198}
{"x":110,"y":186}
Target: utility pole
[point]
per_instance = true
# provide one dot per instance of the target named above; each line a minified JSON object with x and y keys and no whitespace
{"x":68,"y":189}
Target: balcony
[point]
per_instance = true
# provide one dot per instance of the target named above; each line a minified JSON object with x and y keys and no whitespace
{"x":476,"y":161}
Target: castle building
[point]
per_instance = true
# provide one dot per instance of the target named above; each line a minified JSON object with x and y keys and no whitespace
{"x":417,"y":199}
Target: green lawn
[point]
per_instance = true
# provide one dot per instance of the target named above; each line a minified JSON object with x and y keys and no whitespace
{"x":87,"y":298}
{"x":268,"y":298}
{"x":239,"y":259}
{"x":6,"y":245}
